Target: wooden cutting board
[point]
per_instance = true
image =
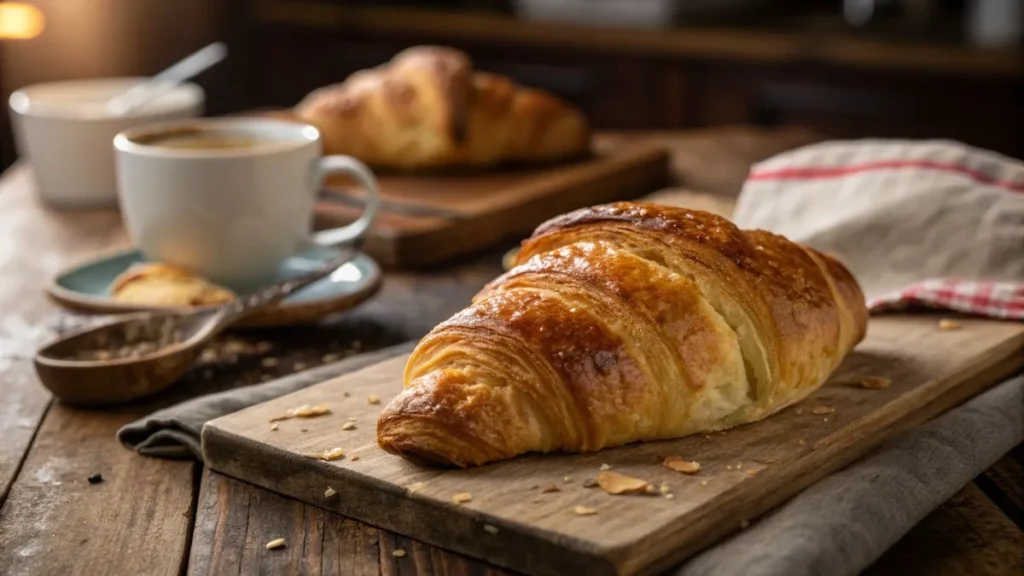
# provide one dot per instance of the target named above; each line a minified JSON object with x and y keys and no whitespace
{"x":512,"y":521}
{"x":431,"y":218}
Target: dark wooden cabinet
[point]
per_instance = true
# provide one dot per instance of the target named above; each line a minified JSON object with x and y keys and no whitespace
{"x":628,"y":79}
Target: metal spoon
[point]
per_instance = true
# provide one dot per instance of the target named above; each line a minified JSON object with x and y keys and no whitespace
{"x":97,"y":381}
{"x":184,"y":69}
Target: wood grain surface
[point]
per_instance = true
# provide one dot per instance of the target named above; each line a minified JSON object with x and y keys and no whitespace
{"x":429,"y":219}
{"x":52,"y":520}
{"x":57,"y":522}
{"x":747,"y":470}
{"x":236,"y":520}
{"x":967,"y":535}
{"x":33,"y":245}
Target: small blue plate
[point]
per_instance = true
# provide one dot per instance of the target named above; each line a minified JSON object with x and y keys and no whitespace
{"x":86,"y":287}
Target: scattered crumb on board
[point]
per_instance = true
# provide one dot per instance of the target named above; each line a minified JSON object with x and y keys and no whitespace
{"x":875,"y":383}
{"x":680,"y":464}
{"x":304,"y":411}
{"x":275,"y":543}
{"x":327,"y":455}
{"x":584,"y":511}
{"x":616,"y":484}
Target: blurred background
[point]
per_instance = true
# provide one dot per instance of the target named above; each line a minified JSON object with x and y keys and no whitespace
{"x":844,"y":68}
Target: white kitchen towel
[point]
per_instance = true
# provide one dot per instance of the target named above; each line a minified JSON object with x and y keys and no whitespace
{"x":933,"y":223}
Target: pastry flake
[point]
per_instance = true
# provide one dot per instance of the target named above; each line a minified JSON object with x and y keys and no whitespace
{"x":616,"y":484}
{"x":680,"y":464}
{"x":157,"y":284}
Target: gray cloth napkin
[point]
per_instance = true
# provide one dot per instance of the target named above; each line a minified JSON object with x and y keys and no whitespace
{"x":174,"y":432}
{"x":844,"y":523}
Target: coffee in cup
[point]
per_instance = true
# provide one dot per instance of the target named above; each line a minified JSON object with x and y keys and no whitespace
{"x":230,"y":199}
{"x":195,"y":138}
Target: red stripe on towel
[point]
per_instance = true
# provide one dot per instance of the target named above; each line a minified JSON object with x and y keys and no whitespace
{"x":818,"y":172}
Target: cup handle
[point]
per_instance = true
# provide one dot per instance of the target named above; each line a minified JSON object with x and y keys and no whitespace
{"x":351,"y":233}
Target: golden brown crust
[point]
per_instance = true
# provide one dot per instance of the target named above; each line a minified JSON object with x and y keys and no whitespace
{"x":620,"y":323}
{"x":428,"y":109}
{"x":158,"y":284}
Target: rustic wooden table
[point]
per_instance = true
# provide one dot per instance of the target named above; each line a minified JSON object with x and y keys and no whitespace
{"x":153,"y":516}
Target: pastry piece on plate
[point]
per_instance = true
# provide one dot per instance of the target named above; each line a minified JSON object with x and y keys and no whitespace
{"x":156,"y":284}
{"x":428,"y":109}
{"x":625,"y":322}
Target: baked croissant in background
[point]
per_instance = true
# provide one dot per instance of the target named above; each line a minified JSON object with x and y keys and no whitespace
{"x":428,"y":109}
{"x":621,"y":323}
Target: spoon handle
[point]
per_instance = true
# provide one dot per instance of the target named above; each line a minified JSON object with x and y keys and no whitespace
{"x":186,"y":68}
{"x":237,"y":309}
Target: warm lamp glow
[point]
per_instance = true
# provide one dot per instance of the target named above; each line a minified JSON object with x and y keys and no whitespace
{"x":20,"y":21}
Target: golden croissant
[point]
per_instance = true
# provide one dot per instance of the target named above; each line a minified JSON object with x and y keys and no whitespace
{"x":621,"y":323}
{"x":428,"y":109}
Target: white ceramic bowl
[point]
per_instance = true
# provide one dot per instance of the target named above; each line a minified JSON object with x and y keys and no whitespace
{"x":65,"y":133}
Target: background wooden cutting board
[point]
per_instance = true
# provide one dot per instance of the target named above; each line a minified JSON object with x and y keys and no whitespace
{"x":512,"y":522}
{"x":431,"y":218}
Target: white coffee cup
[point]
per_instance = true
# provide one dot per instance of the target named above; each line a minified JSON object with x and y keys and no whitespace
{"x":231,"y":214}
{"x":64,"y":131}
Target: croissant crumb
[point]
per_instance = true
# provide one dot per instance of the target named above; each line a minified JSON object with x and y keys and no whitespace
{"x":584,"y":511}
{"x":875,"y":383}
{"x":680,"y":465}
{"x":615,"y":483}
{"x":304,"y":411}
{"x":328,"y":455}
{"x":462,"y":497}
